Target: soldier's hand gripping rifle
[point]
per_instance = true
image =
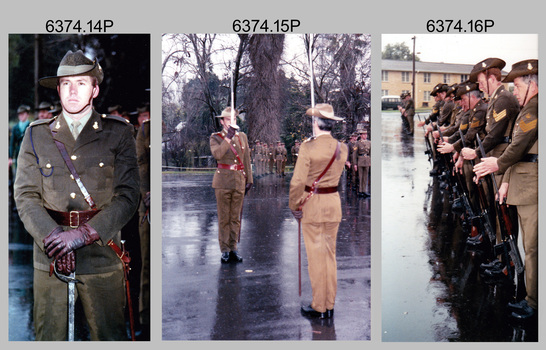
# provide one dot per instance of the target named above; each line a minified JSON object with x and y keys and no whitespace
{"x":427,"y":141}
{"x":481,"y":222}
{"x":508,"y":247}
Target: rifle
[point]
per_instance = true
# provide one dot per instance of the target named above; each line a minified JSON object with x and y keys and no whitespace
{"x":427,"y":142}
{"x":483,"y":218}
{"x":508,"y":247}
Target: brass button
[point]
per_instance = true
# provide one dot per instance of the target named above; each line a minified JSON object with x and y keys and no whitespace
{"x":73,"y":157}
{"x":48,"y":165}
{"x":73,"y":195}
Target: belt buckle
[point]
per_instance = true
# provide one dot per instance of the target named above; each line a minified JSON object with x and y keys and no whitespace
{"x":77,"y":216}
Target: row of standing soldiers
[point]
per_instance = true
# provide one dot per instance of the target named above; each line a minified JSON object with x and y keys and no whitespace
{"x":269,"y":159}
{"x":485,"y":151}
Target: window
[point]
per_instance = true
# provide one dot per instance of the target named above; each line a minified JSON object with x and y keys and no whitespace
{"x":384,"y":92}
{"x":405,"y":77}
{"x":426,"y":96}
{"x":464,"y":77}
{"x":446,"y":78}
{"x":426,"y":77}
{"x":384,"y":75}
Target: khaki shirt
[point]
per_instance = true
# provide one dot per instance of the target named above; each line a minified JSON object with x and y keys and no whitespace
{"x":314,"y":156}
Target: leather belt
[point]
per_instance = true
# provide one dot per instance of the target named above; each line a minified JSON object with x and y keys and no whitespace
{"x":531,"y":158}
{"x":321,"y":190}
{"x":72,"y":218}
{"x":231,"y":166}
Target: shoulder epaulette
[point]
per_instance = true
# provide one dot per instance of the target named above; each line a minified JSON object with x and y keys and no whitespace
{"x":42,"y":121}
{"x":115,"y":117}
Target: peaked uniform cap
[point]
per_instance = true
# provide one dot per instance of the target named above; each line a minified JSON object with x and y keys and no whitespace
{"x":226,"y":113}
{"x":74,"y":64}
{"x":44,"y":105}
{"x":522,"y":68}
{"x":484,"y":65}
{"x":23,"y":108}
{"x":323,"y":110}
{"x":440,"y":87}
{"x":466,"y":87}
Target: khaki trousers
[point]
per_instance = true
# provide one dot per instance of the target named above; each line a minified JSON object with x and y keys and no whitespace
{"x":363,"y":178}
{"x":528,"y":215}
{"x":320,"y":246}
{"x":229,"y":203}
{"x":103,"y":299}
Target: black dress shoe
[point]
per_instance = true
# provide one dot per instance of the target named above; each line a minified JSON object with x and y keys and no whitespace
{"x":329,"y":313}
{"x":474,"y":241}
{"x":525,"y":313}
{"x":225,"y":258}
{"x":235,"y":257}
{"x":308,"y":311}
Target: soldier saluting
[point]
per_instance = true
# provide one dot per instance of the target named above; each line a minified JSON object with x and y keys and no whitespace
{"x":314,"y":199}
{"x":231,"y":181}
{"x":73,"y":204}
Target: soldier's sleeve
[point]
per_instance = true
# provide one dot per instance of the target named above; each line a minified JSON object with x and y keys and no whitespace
{"x":28,"y":190}
{"x":297,"y":184}
{"x":143,"y":159}
{"x":524,"y":138}
{"x":475,"y":127}
{"x":126,"y":189}
{"x":218,"y":146}
{"x":505,"y":111}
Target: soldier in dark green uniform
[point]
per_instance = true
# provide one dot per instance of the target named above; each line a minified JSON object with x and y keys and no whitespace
{"x":519,"y":166}
{"x":408,"y":111}
{"x":143,"y":160}
{"x":45,"y":110}
{"x":70,"y":229}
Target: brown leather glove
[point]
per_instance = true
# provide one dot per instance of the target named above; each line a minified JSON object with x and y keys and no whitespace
{"x":58,"y":244}
{"x":248,"y":186}
{"x":67,"y":263}
{"x":230,"y":132}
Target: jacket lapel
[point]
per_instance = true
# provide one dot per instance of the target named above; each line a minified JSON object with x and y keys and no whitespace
{"x":90,"y":131}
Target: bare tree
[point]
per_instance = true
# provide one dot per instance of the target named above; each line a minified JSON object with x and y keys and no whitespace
{"x":264,"y":106}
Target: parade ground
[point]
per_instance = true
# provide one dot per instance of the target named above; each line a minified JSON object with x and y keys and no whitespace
{"x":257,"y":299}
{"x":431,"y":287}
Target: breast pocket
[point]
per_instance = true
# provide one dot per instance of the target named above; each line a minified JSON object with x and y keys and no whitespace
{"x":99,"y":173}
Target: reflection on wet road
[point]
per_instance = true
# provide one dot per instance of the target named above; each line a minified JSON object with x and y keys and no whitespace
{"x":431,"y":289}
{"x":257,"y":299}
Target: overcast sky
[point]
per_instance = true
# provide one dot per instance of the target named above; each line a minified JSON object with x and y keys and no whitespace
{"x":468,"y":48}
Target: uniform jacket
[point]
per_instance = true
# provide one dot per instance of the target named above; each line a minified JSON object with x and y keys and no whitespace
{"x":476,"y":126}
{"x":221,"y":151}
{"x":409,"y":108}
{"x":361,"y":155}
{"x":312,"y":160}
{"x":280,"y":153}
{"x":445,"y":113}
{"x":522,"y":176}
{"x":143,"y":159}
{"x":105,"y":159}
{"x":502,"y":110}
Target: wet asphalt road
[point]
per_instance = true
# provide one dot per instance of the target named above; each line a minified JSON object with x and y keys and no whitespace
{"x":257,"y":299}
{"x":431,"y":288}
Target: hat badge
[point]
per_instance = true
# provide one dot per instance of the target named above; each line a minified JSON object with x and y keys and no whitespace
{"x":484,"y":65}
{"x":467,"y":88}
{"x":529,"y":66}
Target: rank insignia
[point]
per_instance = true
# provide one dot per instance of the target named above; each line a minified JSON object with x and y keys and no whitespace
{"x":58,"y":125}
{"x":526,"y":125}
{"x":95,"y":125}
{"x":499,"y":116}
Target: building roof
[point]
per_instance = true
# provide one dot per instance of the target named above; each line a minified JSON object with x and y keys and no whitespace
{"x":428,"y":67}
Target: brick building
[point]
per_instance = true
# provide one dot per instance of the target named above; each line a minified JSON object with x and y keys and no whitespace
{"x":396,"y":77}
